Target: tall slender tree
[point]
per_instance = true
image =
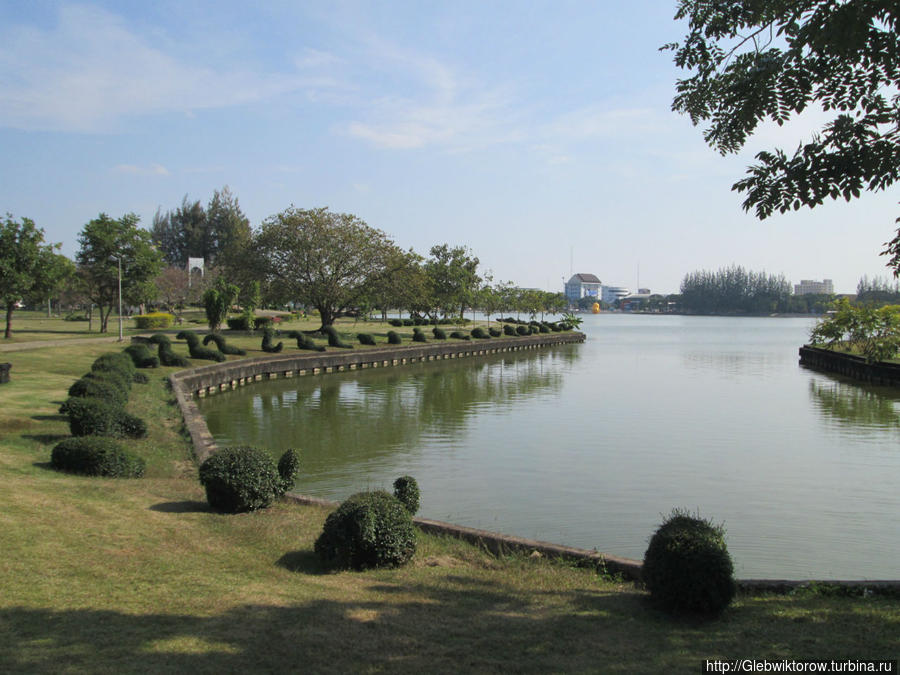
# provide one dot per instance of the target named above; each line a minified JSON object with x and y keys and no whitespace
{"x":104,"y":242}
{"x":27,"y":264}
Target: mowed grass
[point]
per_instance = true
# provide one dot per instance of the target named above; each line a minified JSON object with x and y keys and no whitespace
{"x":103,"y":575}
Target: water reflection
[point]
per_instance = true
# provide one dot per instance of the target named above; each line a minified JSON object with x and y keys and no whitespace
{"x":853,"y":405}
{"x":353,"y":418}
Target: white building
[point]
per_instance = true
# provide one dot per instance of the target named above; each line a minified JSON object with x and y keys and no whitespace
{"x":581,"y":285}
{"x":611,"y":294}
{"x":808,"y":286}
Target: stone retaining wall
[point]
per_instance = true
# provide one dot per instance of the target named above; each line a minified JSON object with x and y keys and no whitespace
{"x":880,"y":373}
{"x":190,"y":384}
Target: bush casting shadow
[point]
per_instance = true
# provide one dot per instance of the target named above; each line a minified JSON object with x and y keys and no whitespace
{"x":182,"y":507}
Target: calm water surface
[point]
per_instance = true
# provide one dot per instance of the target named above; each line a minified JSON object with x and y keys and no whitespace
{"x":589,"y":445}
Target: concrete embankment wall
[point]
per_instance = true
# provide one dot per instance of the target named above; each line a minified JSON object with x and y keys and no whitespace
{"x":852,"y":366}
{"x":208,"y":380}
{"x":205,"y":380}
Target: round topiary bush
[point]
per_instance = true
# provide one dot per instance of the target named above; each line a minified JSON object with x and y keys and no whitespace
{"x":198,"y":352}
{"x":244,"y":478}
{"x":365,"y":339}
{"x":439,"y":333}
{"x":116,"y":362}
{"x":393,"y":338}
{"x":95,"y":417}
{"x":109,"y":390}
{"x":96,"y":456}
{"x":369,"y":529}
{"x":406,"y":490}
{"x":509,"y":330}
{"x":687,"y":567}
{"x":495,"y":332}
{"x":480,"y":333}
{"x":418,"y":335}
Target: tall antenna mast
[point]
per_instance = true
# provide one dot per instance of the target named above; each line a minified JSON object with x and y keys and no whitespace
{"x":571,"y":260}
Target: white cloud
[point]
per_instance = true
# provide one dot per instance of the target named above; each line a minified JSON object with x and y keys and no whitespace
{"x":150,"y":170}
{"x":89,"y":71}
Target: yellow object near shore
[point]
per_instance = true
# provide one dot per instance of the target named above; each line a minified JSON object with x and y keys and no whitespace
{"x":596,"y":308}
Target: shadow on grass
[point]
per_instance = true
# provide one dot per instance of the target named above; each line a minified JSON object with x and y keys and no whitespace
{"x":58,"y":417}
{"x":441,"y":624}
{"x":306,"y":562}
{"x":186,"y":506}
{"x":46,"y":439}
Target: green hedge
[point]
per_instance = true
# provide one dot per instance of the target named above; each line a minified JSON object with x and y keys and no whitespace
{"x":244,"y":478}
{"x":687,"y":567}
{"x":95,"y":417}
{"x":369,"y":529}
{"x":153,"y":321}
{"x":96,"y":456}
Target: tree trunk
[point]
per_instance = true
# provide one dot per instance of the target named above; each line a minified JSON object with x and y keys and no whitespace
{"x":327,"y":316}
{"x":10,"y":307}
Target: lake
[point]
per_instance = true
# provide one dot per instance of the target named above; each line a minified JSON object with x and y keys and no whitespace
{"x":591,"y":445}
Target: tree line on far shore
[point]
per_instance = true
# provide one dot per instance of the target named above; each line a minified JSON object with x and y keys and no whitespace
{"x":333,"y":263}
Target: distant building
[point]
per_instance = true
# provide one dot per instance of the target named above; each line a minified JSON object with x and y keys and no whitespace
{"x":808,"y":286}
{"x":581,"y":285}
{"x":611,"y":294}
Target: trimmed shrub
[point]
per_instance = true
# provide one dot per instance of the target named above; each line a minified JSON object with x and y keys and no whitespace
{"x":334,"y":340}
{"x":439,"y":333}
{"x":480,"y":333}
{"x":267,"y":342}
{"x":244,"y":478}
{"x":223,"y":346}
{"x":687,"y":567}
{"x":116,"y":362}
{"x":459,"y":335}
{"x":406,"y":490}
{"x":393,"y":338}
{"x":141,"y":356}
{"x":96,"y":456}
{"x":495,"y":332}
{"x":418,"y":335}
{"x":166,"y":356}
{"x":304,"y":341}
{"x":94,"y":417}
{"x":369,"y":529}
{"x":141,"y":378}
{"x":237,"y":323}
{"x":365,"y":339}
{"x":262,"y":322}
{"x":288,"y":468}
{"x":544,"y":328}
{"x":198,"y":352}
{"x":409,"y":322}
{"x":523,"y":330}
{"x":395,"y":322}
{"x":153,"y":320}
{"x":108,"y":390}
{"x":509,"y":330}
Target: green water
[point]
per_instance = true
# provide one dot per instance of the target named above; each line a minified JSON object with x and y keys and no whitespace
{"x":590,"y":444}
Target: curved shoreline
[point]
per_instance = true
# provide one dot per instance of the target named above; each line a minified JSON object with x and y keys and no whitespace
{"x":207,"y":380}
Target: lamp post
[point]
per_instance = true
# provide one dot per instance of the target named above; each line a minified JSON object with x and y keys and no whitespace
{"x":119,"y":262}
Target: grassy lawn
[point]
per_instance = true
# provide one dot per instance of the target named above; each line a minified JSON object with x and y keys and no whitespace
{"x":104,"y":575}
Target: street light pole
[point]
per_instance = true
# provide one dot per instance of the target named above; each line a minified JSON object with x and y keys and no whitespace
{"x":121,"y":336}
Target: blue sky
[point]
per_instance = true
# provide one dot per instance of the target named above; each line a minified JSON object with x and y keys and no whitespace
{"x":539,"y":134}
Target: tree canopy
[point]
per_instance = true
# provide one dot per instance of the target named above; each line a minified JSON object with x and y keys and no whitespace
{"x":28,"y":266}
{"x":103,"y":242}
{"x":757,"y":60}
{"x":324,"y":259}
{"x":218,"y":233}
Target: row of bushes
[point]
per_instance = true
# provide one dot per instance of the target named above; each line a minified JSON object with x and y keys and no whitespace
{"x":97,"y":417}
{"x":422,"y":321}
{"x":687,"y":567}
